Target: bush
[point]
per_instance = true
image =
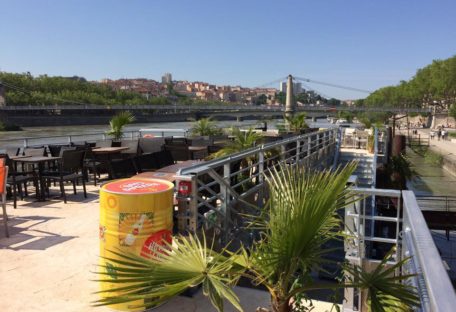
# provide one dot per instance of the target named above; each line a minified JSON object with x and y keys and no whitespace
{"x":433,"y":158}
{"x":9,"y":127}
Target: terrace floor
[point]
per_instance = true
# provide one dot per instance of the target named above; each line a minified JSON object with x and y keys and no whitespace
{"x":46,"y":263}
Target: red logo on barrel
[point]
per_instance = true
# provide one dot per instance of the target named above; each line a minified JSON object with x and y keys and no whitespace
{"x":155,"y":243}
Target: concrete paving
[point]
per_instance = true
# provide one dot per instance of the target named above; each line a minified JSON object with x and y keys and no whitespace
{"x":446,"y":148}
{"x":47,"y":262}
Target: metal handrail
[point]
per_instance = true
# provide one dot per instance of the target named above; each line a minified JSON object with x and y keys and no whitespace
{"x":199,"y":168}
{"x":129,"y":134}
{"x":218,"y":187}
{"x":224,"y":107}
{"x":438,"y":294}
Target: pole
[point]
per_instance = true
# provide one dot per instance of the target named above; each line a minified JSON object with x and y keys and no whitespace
{"x":289,"y":104}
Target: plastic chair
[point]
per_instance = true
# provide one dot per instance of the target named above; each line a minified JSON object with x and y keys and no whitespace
{"x":3,"y":177}
{"x":17,"y":179}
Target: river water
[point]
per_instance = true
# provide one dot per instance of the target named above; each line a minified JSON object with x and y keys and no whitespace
{"x":83,"y":133}
{"x":430,"y":179}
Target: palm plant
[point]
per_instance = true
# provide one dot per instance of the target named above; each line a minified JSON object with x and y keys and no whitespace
{"x":296,"y":122}
{"x":242,"y":140}
{"x":399,"y":168}
{"x":299,"y":218}
{"x":118,"y":122}
{"x":382,"y":291}
{"x":205,"y":127}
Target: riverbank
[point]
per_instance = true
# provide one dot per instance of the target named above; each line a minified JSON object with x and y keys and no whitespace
{"x":445,"y":148}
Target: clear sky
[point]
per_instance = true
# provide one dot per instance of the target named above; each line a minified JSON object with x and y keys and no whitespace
{"x":365,"y":44}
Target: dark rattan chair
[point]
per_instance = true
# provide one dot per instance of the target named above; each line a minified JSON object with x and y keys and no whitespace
{"x":71,"y":168}
{"x":123,"y":168}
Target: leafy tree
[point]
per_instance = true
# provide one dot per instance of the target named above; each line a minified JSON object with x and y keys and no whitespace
{"x":281,"y":98}
{"x":260,"y":100}
{"x":299,"y":218}
{"x":333,"y":102}
{"x":452,"y":111}
{"x":118,"y":122}
{"x":433,"y":85}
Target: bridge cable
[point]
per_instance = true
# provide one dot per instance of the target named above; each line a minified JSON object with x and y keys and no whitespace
{"x":332,"y":85}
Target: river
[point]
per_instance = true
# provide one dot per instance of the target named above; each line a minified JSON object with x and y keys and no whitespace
{"x":16,"y":138}
{"x":430,"y":179}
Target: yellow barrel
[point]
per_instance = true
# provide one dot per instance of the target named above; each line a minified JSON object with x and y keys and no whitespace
{"x":135,"y":216}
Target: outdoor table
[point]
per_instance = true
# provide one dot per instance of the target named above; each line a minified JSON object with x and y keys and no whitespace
{"x":176,"y":167}
{"x":198,"y":152}
{"x":18,"y":157}
{"x":107,"y":152}
{"x":171,"y":177}
{"x":40,"y":161}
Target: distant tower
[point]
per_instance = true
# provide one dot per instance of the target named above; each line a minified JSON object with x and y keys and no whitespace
{"x":289,"y":104}
{"x":167,"y":78}
{"x":297,"y":87}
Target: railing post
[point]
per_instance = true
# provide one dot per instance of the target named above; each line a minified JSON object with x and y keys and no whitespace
{"x":69,"y":139}
{"x":298,"y":151}
{"x":309,"y":150}
{"x":226,"y":202}
{"x":193,"y":207}
{"x":261,"y":177}
{"x":25,"y":143}
{"x":283,"y":151}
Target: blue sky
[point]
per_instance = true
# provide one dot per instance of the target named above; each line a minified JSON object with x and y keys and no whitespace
{"x":365,"y":44}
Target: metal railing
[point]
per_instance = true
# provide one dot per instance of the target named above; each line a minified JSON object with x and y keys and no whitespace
{"x":222,"y":189}
{"x":88,"y":137}
{"x":437,"y":203}
{"x":404,"y":227}
{"x":435,"y":288}
{"x":195,"y":107}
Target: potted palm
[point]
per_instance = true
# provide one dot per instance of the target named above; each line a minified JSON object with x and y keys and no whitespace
{"x":118,"y":122}
{"x":242,"y":140}
{"x":298,"y":219}
{"x":205,"y":127}
{"x":297,"y":122}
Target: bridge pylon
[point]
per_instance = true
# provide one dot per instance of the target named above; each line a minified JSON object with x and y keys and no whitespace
{"x":290,"y":107}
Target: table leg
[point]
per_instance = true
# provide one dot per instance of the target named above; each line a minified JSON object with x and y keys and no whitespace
{"x":42,"y":190}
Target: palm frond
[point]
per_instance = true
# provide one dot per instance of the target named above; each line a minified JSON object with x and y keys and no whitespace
{"x":385,"y":292}
{"x":242,"y":140}
{"x":205,"y":127}
{"x":118,"y":122}
{"x":186,"y":263}
{"x":300,"y":217}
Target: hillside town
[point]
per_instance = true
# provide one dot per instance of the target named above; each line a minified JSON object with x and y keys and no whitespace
{"x":206,"y":91}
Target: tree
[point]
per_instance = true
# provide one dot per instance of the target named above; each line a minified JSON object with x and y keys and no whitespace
{"x":261,"y":100}
{"x":433,"y":85}
{"x":281,"y":97}
{"x":452,"y":111}
{"x":300,"y":216}
{"x":118,"y":122}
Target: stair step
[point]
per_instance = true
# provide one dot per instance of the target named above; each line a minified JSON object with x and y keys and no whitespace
{"x":368,"y":160}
